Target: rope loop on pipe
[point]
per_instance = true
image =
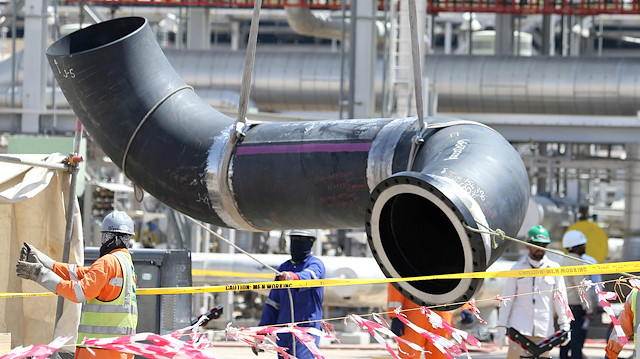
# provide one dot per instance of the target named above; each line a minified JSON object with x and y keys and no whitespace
{"x":144,"y":119}
{"x":500,"y":233}
{"x":137,"y":189}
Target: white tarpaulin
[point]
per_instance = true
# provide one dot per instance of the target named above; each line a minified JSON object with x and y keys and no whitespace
{"x":33,"y":208}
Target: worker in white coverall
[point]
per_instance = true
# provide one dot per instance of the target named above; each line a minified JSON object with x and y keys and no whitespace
{"x":529,"y":307}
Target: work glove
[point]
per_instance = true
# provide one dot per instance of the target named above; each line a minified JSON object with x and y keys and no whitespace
{"x":566,"y":328}
{"x":500,"y":338}
{"x":31,"y":254}
{"x":39,"y":274}
{"x":466,"y":316}
{"x":397,"y":327}
{"x":29,"y":270}
{"x":288,"y":276}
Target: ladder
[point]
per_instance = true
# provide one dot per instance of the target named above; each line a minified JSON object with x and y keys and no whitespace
{"x":400,"y":101}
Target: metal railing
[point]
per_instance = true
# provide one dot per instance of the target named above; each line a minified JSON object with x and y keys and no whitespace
{"x":530,"y":7}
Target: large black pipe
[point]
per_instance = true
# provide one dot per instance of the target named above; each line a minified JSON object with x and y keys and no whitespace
{"x":326,"y":174}
{"x":112,"y":75}
{"x":415,"y":215}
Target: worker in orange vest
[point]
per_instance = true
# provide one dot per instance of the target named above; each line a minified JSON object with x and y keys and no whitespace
{"x":395,"y":300}
{"x":107,"y":288}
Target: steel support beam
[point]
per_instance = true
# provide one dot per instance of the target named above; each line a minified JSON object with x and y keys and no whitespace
{"x":563,"y":129}
{"x":35,"y":35}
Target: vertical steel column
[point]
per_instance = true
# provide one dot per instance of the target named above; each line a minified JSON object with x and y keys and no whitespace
{"x":198,"y":28}
{"x":35,"y":35}
{"x":71,"y":208}
{"x":365,"y":58}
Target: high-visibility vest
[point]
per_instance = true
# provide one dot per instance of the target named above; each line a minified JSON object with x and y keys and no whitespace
{"x":115,"y":318}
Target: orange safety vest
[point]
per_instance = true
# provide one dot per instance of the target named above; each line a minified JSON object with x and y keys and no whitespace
{"x":396,"y":299}
{"x":628,"y":322}
{"x":81,"y":284}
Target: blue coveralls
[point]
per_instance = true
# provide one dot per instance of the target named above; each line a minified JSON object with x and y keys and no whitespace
{"x":307,"y":304}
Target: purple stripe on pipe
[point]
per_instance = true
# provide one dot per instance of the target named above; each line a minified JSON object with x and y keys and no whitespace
{"x":302,"y":148}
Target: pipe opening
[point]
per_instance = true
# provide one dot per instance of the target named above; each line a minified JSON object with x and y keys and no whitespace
{"x":96,"y":36}
{"x":415,"y":229}
{"x":420,"y":240}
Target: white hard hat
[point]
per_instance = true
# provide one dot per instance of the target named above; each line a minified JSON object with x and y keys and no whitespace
{"x":573,"y":238}
{"x":301,"y":233}
{"x":118,"y":222}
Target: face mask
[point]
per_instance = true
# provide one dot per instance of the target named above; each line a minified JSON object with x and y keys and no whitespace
{"x":111,"y":241}
{"x":107,"y":237}
{"x":300,"y":249}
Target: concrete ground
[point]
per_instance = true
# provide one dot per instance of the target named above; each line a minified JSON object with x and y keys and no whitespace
{"x":233,"y":350}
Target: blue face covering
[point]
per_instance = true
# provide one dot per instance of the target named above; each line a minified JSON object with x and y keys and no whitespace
{"x":300,"y":249}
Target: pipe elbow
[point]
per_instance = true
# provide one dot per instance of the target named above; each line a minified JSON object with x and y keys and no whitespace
{"x":418,"y":221}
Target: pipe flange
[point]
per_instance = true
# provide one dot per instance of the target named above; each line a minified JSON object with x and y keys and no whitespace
{"x":415,"y":227}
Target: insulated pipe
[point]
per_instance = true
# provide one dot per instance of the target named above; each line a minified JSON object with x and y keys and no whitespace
{"x":541,"y":84}
{"x":293,"y":80}
{"x":296,"y":175}
{"x":322,"y":24}
{"x":309,"y":81}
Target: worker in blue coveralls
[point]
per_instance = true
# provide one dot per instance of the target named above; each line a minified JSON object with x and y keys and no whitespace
{"x":307,"y":302}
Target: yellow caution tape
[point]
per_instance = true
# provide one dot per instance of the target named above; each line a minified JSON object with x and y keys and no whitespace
{"x":607,"y":268}
{"x":21,"y":295}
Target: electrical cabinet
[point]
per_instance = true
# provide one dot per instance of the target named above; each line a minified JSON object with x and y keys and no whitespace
{"x":157,"y":268}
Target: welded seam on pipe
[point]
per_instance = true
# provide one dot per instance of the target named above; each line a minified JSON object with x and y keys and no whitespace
{"x":381,"y":154}
{"x":144,"y":119}
{"x":218,"y":185}
{"x":226,"y":197}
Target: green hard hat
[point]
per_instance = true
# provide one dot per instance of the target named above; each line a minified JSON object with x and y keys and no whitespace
{"x":538,"y":234}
